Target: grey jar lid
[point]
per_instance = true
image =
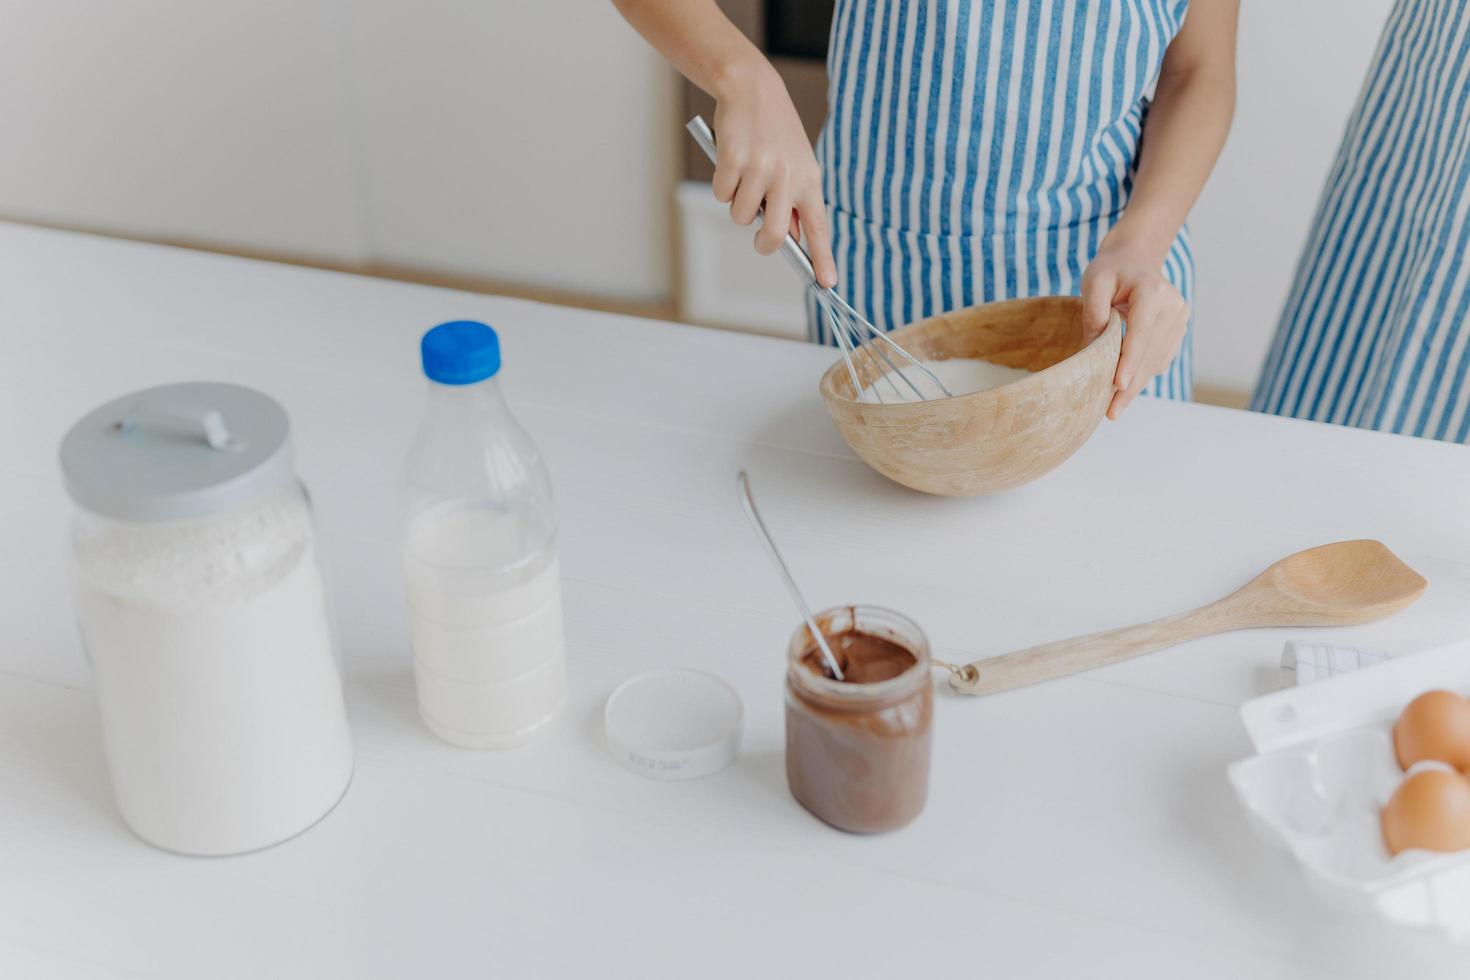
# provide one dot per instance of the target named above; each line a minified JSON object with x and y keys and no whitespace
{"x":178,"y":451}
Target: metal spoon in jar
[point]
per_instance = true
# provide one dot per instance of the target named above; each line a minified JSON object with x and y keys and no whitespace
{"x":748,"y":501}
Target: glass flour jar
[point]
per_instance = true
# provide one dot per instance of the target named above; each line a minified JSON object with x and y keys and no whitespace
{"x":205,"y":620}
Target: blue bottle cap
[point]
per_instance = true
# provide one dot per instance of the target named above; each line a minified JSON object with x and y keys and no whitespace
{"x":460,"y":352}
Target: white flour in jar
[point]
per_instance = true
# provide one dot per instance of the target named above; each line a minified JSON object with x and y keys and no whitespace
{"x":961,"y":375}
{"x":213,"y":658}
{"x":485,"y":621}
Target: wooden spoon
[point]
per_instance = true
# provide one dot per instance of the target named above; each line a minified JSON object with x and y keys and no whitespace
{"x":1339,"y":584}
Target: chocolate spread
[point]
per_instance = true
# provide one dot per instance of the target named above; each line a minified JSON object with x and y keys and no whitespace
{"x":863,"y":657}
{"x":857,"y":752}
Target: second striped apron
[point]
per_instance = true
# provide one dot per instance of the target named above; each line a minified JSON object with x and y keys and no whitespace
{"x":979,"y":150}
{"x":1376,"y":331}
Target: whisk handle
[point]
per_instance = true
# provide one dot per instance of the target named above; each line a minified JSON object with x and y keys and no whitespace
{"x":791,"y":248}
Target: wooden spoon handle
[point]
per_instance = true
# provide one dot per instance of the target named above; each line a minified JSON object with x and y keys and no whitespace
{"x":1081,"y":653}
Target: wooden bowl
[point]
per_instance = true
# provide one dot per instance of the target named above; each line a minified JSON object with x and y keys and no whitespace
{"x":994,"y":439}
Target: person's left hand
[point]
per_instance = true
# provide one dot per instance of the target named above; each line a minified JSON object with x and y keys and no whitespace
{"x":1156,"y":313}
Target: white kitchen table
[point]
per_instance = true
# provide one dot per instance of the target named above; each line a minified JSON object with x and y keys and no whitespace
{"x":1081,"y":828}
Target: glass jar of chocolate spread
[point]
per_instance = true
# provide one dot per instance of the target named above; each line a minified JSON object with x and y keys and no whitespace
{"x":857,"y":750}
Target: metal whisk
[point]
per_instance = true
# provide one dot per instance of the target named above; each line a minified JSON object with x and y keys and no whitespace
{"x":855,"y":335}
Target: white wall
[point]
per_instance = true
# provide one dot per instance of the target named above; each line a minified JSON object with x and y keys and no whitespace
{"x":1300,"y":67}
{"x":521,"y":140}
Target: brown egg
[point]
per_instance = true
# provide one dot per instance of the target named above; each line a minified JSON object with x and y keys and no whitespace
{"x":1430,"y":810}
{"x":1435,"y":725}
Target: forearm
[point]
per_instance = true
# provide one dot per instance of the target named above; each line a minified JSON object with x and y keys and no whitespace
{"x":1182,"y":138}
{"x":697,"y":39}
{"x":764,"y":159}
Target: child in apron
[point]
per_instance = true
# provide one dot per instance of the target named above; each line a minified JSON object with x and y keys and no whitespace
{"x":978,"y":150}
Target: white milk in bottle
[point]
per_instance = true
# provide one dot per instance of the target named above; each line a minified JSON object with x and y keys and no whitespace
{"x":479,"y":553}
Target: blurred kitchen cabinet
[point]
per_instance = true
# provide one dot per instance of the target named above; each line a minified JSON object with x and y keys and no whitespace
{"x":219,"y":123}
{"x":723,"y":281}
{"x":512,"y":141}
{"x":519,"y":140}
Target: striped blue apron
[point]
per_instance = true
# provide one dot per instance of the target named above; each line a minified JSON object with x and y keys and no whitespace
{"x":1376,"y":330}
{"x":978,"y":150}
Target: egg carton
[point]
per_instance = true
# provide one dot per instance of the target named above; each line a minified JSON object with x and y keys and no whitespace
{"x":1324,"y":766}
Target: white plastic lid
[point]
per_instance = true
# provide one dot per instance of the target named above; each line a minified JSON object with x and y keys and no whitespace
{"x":674,"y":724}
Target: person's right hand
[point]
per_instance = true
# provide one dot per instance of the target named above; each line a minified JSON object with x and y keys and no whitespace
{"x":764,"y":158}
